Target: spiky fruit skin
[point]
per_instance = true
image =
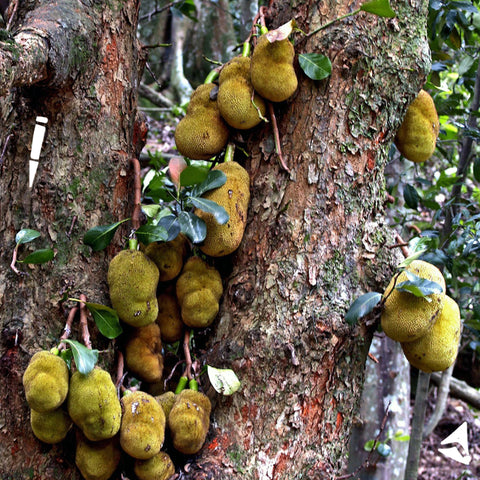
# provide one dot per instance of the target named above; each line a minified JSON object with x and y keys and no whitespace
{"x":50,"y":427}
{"x":159,"y":467}
{"x":93,"y":404}
{"x":168,"y":256}
{"x":45,"y":381}
{"x":132,"y":280}
{"x":189,"y":421}
{"x":438,"y":348}
{"x":169,"y":317}
{"x":143,"y":353}
{"x":234,"y":197}
{"x":235,"y":95}
{"x":166,"y":401}
{"x":272,"y":73}
{"x":406,"y":318}
{"x":202,"y":133}
{"x":199,"y":289}
{"x":417,"y":136}
{"x":97,"y":460}
{"x":143,"y":425}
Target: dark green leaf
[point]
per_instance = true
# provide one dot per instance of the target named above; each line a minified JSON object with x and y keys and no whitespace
{"x":192,"y":226}
{"x":220,"y":214}
{"x":26,"y":235}
{"x":67,"y":357}
{"x":106,"y":319}
{"x":476,"y":168}
{"x":315,"y":65}
{"x":193,"y":175}
{"x":100,"y":237}
{"x":186,"y":8}
{"x":420,"y":287}
{"x":381,"y":8}
{"x":410,"y":196}
{"x":170,"y":224}
{"x":384,"y":449}
{"x":43,"y":255}
{"x":151,"y":233}
{"x":362,"y":306}
{"x":215,"y":179}
{"x":369,"y":445}
{"x":85,"y":359}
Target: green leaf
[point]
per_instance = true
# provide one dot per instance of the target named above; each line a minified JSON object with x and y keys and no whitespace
{"x":369,"y":445}
{"x":215,"y":179}
{"x":209,"y":206}
{"x":410,"y":196}
{"x":384,"y":449}
{"x":223,"y":380}
{"x":67,"y":356}
{"x":420,"y":287}
{"x":412,"y":257}
{"x":43,"y":255}
{"x":315,"y":65}
{"x":26,"y":235}
{"x":85,"y":359}
{"x":171,"y":225}
{"x":193,"y":175}
{"x":106,"y":319}
{"x":381,"y":8}
{"x":362,"y":306}
{"x":476,"y":168}
{"x":151,"y":211}
{"x":151,"y":233}
{"x":100,"y":237}
{"x":192,"y":226}
{"x":187,"y":8}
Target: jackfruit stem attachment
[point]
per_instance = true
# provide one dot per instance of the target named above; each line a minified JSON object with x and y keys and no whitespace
{"x":137,"y":194}
{"x":247,"y":49}
{"x":67,"y":330}
{"x":229,"y":153}
{"x":212,"y":76}
{"x":263,"y":30}
{"x":132,"y":244}
{"x":188,"y":358}
{"x":84,"y":323}
{"x":182,"y":384}
{"x":193,"y":385}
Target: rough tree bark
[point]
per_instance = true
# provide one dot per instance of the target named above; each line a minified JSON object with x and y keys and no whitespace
{"x":315,"y":239}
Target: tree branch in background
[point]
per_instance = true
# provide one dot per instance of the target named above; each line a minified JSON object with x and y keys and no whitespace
{"x":460,"y":389}
{"x":155,"y":97}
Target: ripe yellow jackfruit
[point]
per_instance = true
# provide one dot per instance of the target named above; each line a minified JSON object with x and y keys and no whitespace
{"x":143,"y":425}
{"x":97,"y":460}
{"x":417,"y":136}
{"x":202,"y":133}
{"x":437,"y":349}
{"x":189,"y":421}
{"x":168,"y":256}
{"x":50,"y":427}
{"x":132,"y":279}
{"x":199,"y":289}
{"x":166,"y":401}
{"x":406,"y":318}
{"x":169,"y":318}
{"x":45,"y":381}
{"x":143,"y":353}
{"x":272,"y":73}
{"x":93,"y":404}
{"x":239,"y":105}
{"x":159,"y":467}
{"x":234,"y":197}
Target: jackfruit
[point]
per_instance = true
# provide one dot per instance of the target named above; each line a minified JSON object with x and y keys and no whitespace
{"x":405,"y":317}
{"x":132,"y":279}
{"x":199,"y":289}
{"x":166,"y":401}
{"x":438,"y":348}
{"x":143,"y":353}
{"x":93,"y":404}
{"x":272,"y":73}
{"x":159,"y":467}
{"x":189,"y":421}
{"x":50,"y":427}
{"x":417,"y":136}
{"x":97,"y":460}
{"x":234,"y":197}
{"x":168,"y":256}
{"x":45,"y":381}
{"x":202,"y":133}
{"x":239,"y":105}
{"x":143,"y":425}
{"x":169,"y":318}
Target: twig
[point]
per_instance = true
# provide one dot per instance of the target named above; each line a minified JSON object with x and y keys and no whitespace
{"x":402,"y":245}
{"x":137,"y":193}
{"x":14,"y":261}
{"x":276,"y":135}
{"x":12,"y":14}
{"x":188,"y":358}
{"x":158,"y":10}
{"x":83,"y":322}
{"x":4,"y":149}
{"x":68,"y":328}
{"x":69,"y":233}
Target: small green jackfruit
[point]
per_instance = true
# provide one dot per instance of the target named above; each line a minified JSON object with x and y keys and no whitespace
{"x":438,"y":348}
{"x":45,"y":381}
{"x":166,"y":401}
{"x":97,"y":460}
{"x":272,"y":73}
{"x":199,"y":308}
{"x":416,"y":138}
{"x":132,"y":279}
{"x":168,"y":256}
{"x":239,"y":105}
{"x":143,"y":425}
{"x":189,"y":421}
{"x":93,"y":404}
{"x":169,"y":318}
{"x":159,"y":467}
{"x":234,"y":197}
{"x":202,"y":133}
{"x":143,"y":353}
{"x":50,"y":427}
{"x":405,"y":317}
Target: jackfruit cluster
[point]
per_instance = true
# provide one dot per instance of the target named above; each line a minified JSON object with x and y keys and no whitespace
{"x":169,"y":317}
{"x":168,"y":256}
{"x":159,"y":467}
{"x":417,"y":136}
{"x":199,"y":289}
{"x":428,"y":328}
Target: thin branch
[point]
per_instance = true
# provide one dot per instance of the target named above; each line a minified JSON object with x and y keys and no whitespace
{"x":188,"y":358}
{"x":155,"y":97}
{"x":276,"y":135}
{"x":137,"y":193}
{"x":68,"y":328}
{"x":84,"y":323}
{"x":158,"y":10}
{"x":14,"y":261}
